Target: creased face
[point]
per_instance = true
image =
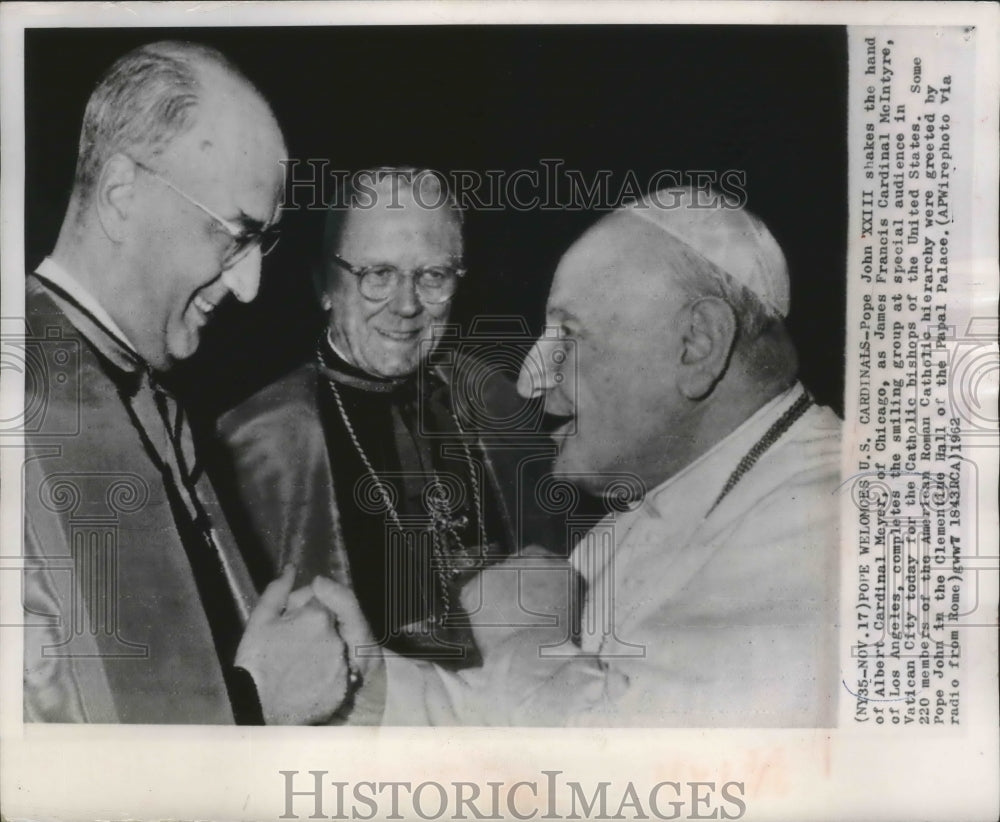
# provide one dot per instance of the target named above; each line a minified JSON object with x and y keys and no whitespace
{"x":388,"y":338}
{"x":607,"y":363}
{"x":229,"y":164}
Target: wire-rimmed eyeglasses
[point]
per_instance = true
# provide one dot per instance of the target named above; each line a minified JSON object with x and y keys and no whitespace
{"x":242,"y":240}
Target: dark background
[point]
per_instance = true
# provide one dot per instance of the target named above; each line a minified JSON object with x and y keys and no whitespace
{"x":770,"y":101}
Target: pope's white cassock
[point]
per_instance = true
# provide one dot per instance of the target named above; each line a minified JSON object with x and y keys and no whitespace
{"x":695,"y":613}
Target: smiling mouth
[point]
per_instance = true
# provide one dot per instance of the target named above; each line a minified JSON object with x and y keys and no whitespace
{"x":203,"y":305}
{"x":562,"y":432}
{"x":399,"y":336}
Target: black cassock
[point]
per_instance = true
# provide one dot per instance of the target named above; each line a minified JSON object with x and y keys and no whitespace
{"x":418,"y":515}
{"x":383,"y":491}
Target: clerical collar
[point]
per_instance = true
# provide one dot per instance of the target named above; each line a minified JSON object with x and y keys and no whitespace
{"x":725,"y":455}
{"x":335,"y":366}
{"x":51,"y":272}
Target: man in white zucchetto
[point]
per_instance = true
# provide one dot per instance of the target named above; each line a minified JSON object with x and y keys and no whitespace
{"x":712,"y":601}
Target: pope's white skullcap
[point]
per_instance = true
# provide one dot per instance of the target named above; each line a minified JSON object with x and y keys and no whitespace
{"x":730,"y":238}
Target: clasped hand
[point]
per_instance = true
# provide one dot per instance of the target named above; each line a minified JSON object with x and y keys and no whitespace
{"x":300,"y":647}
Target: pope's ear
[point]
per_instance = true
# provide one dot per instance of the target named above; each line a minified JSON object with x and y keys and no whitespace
{"x":114,"y":196}
{"x":709,"y":334}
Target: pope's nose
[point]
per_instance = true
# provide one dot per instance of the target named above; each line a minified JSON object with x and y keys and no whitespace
{"x":541,"y":370}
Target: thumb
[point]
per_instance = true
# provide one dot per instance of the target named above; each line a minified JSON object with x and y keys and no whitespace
{"x":341,"y":601}
{"x":275,"y":597}
{"x":299,"y":598}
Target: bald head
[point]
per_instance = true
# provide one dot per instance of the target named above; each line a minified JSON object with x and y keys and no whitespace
{"x":158,"y":93}
{"x":232,"y":135}
{"x":178,"y":184}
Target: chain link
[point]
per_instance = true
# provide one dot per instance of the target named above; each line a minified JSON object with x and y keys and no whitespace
{"x":441,"y":524}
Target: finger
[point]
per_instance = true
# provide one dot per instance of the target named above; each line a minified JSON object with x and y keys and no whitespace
{"x":341,"y":600}
{"x":337,"y":597}
{"x":299,"y":598}
{"x":272,"y":602}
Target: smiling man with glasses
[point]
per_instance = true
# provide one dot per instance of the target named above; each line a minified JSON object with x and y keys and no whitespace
{"x":356,"y":465}
{"x":712,"y":598}
{"x":174,"y":204}
{"x":243,"y":239}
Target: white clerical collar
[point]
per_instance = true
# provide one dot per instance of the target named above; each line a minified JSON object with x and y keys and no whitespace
{"x":698,"y":477}
{"x":50,"y":270}
{"x":686,"y":498}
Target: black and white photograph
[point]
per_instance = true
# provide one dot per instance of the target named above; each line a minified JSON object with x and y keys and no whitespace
{"x":398,"y":381}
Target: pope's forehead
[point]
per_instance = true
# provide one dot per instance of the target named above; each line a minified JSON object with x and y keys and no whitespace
{"x":620,"y":259}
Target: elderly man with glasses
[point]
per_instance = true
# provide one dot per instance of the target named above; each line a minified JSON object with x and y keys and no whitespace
{"x":712,"y":601}
{"x":139,"y":605}
{"x":357,"y":465}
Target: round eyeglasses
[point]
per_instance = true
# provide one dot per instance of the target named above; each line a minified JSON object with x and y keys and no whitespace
{"x":434,"y":284}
